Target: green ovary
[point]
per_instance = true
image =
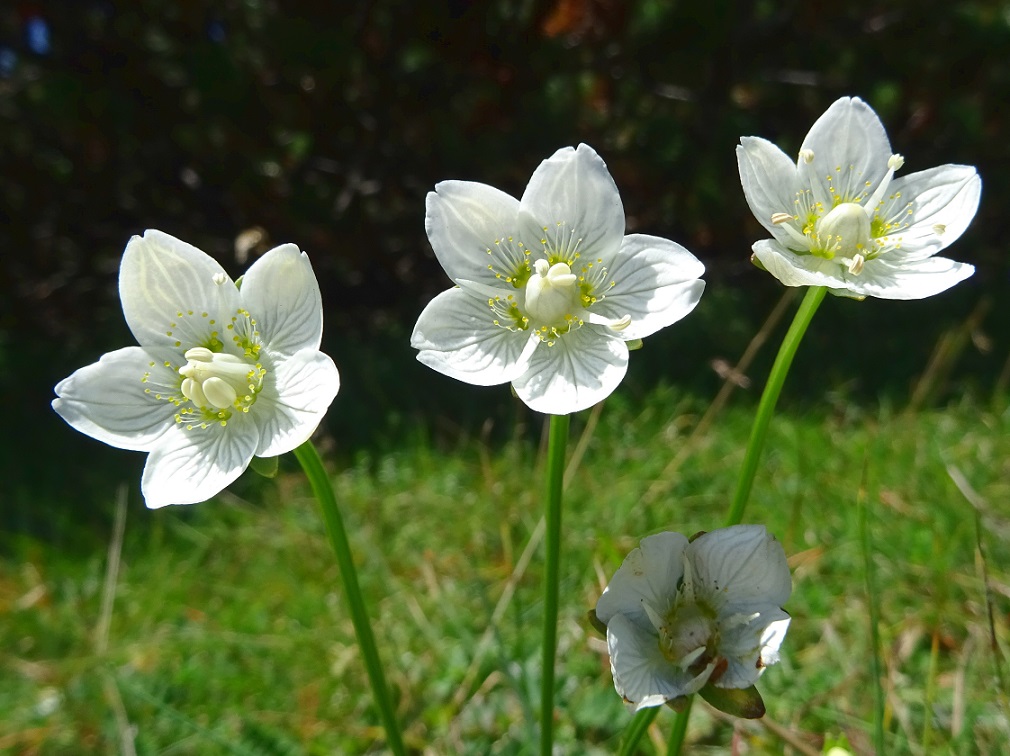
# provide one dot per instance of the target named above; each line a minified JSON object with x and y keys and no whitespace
{"x":220,"y":381}
{"x":845,"y":231}
{"x":553,"y":295}
{"x":688,"y":632}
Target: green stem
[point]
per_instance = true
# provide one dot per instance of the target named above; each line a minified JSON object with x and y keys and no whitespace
{"x":320,"y":482}
{"x":679,"y":731}
{"x":636,"y":730}
{"x":777,"y":377}
{"x":556,"y":441}
{"x":780,"y":369}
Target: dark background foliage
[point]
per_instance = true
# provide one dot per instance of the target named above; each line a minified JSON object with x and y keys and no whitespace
{"x":238,"y":125}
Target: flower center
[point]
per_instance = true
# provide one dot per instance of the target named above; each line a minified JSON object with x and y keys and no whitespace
{"x":845,"y":231}
{"x":687,"y":633}
{"x":860,"y":226}
{"x":220,"y":381}
{"x":552,"y":294}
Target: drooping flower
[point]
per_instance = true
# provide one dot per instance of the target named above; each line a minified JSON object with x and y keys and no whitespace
{"x":841,"y":219}
{"x":682,"y":616}
{"x":549,"y":289}
{"x":223,"y":371}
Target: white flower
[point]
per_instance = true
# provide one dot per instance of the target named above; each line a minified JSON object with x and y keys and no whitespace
{"x":222,"y":373}
{"x":840,"y":219}
{"x":682,"y":615}
{"x":549,"y":287}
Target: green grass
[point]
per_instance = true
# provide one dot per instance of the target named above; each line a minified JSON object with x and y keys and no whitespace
{"x":229,"y":633}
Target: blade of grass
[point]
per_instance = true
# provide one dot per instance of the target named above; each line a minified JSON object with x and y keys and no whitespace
{"x":872,"y":598}
{"x":109,"y":687}
{"x":934,"y":663}
{"x":977,"y":505}
{"x":552,"y":557}
{"x":312,"y":464}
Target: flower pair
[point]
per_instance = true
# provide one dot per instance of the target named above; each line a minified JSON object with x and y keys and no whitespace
{"x":549,"y":291}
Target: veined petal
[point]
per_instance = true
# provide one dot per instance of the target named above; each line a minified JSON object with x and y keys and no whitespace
{"x":281,"y":292}
{"x":740,"y":566}
{"x":750,"y":648}
{"x":456,"y":336}
{"x":291,"y":406}
{"x":915,"y":279}
{"x":171,"y":292}
{"x":190,"y":466}
{"x":648,"y":575}
{"x":572,"y":203}
{"x":656,"y":284}
{"x":769,"y":181}
{"x":945,"y":200}
{"x":799,"y":270}
{"x":472,"y":226}
{"x":582,"y":368}
{"x":641,"y":674}
{"x":108,"y":401}
{"x":850,"y":145}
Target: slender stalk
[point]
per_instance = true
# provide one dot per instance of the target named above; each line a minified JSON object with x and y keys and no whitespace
{"x":770,"y":397}
{"x":635,"y":731}
{"x":311,"y":463}
{"x":679,"y":731}
{"x":872,"y":596}
{"x":556,"y":441}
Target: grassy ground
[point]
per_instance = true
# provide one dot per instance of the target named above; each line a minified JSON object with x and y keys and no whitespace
{"x":228,"y":632}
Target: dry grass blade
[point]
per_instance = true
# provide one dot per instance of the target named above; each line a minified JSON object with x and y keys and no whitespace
{"x":979,"y":505}
{"x":731,"y":380}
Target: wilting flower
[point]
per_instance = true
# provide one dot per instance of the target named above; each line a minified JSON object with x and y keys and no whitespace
{"x":840,"y":219}
{"x":224,"y":370}
{"x":682,"y":616}
{"x":549,"y":289}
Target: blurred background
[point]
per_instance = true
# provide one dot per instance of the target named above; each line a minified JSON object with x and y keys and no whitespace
{"x":242,"y":124}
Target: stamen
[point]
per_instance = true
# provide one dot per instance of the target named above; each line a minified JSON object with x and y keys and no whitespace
{"x":893,"y":163}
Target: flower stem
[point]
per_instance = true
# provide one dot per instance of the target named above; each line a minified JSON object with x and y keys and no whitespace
{"x":321,"y":487}
{"x":556,"y":441}
{"x":679,"y":731}
{"x":635,"y":731}
{"x":766,"y":407}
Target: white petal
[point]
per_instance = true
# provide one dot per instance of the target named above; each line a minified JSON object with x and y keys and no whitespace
{"x":739,"y":567}
{"x":300,"y":389}
{"x":107,"y":399}
{"x":849,"y":144}
{"x":752,"y":647}
{"x":470,"y":226}
{"x":582,"y":368}
{"x":190,"y":466}
{"x":572,"y":199}
{"x":641,"y":674}
{"x":945,"y":200}
{"x":799,"y":270}
{"x":171,"y":291}
{"x":281,"y":292}
{"x":457,"y":337}
{"x":649,"y":574}
{"x":908,"y":280}
{"x":770,"y":182}
{"x":656,"y":283}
